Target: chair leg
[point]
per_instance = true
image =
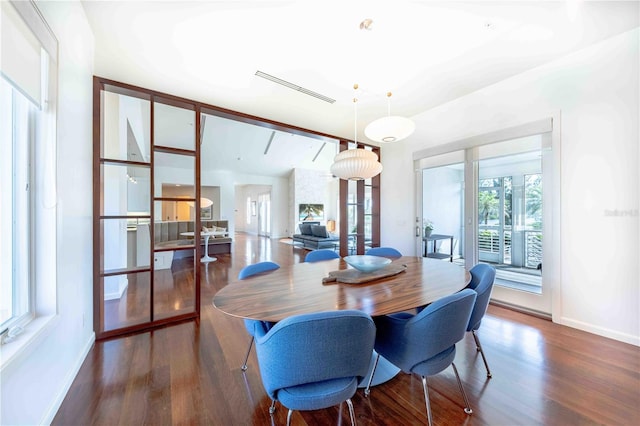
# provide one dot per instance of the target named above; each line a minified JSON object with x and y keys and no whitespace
{"x":425,"y":387}
{"x":352,"y":414}
{"x":272,"y":409}
{"x":467,"y":407}
{"x":289,"y":417}
{"x":484,"y":359}
{"x":367,"y":390}
{"x":246,"y":358}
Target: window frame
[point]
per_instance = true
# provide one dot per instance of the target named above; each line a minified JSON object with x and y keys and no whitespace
{"x":28,"y":328}
{"x":28,"y":119}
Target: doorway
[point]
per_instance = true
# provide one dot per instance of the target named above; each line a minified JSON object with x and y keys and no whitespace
{"x":264,"y":214}
{"x":442,"y":223}
{"x":485,"y":195}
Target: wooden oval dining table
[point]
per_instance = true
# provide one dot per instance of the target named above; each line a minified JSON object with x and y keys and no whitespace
{"x":299,"y":289}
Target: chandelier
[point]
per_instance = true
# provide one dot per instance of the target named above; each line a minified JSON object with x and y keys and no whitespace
{"x":391,"y":128}
{"x":356,"y":163}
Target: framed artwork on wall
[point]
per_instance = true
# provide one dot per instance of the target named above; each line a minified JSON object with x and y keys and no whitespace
{"x":312,"y":212}
{"x":206,"y":213}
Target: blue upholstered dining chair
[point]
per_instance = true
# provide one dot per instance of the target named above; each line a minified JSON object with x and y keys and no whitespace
{"x":314,"y":361}
{"x":482,"y":279}
{"x":383,"y":252}
{"x":253,"y":325}
{"x":425,"y":343}
{"x":321,"y":254}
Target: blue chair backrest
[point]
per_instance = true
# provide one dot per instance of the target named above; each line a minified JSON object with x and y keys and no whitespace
{"x":383,"y":252}
{"x":257,"y":268}
{"x":315,"y":347}
{"x":321,"y":254}
{"x":436,"y":328}
{"x":482,"y":278}
{"x":253,"y":326}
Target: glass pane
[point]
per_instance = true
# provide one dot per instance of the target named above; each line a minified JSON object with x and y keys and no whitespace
{"x":368,"y":201}
{"x":367,"y":228}
{"x":533,"y":201}
{"x":352,"y":185}
{"x":533,"y":220}
{"x":125,"y":128}
{"x":508,"y":200}
{"x":442,"y":226}
{"x":124,"y":245}
{"x":488,"y":207}
{"x":174,"y":127}
{"x":510,"y":219}
{"x":126,"y":190}
{"x":15,"y":206}
{"x":177,"y":235}
{"x":126,"y":300}
{"x":174,"y":170}
{"x":351,"y":214}
{"x":352,"y":208}
{"x":174,"y":210}
{"x":174,"y":286}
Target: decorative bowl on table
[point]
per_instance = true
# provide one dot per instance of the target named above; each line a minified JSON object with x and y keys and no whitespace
{"x":366,"y":263}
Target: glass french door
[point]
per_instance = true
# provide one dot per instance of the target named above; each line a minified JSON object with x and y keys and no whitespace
{"x":510,"y":222}
{"x":487,"y":202}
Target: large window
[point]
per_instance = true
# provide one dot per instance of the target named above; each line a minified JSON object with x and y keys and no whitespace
{"x":18,"y":113}
{"x":27,"y":167}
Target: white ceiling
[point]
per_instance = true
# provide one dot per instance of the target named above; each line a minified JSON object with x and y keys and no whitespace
{"x":249,"y":149}
{"x":427,"y":53}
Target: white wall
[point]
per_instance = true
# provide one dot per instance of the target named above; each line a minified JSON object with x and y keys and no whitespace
{"x":34,"y":384}
{"x":312,"y":187}
{"x":227,"y":181}
{"x":244,"y":192}
{"x":595,"y":92}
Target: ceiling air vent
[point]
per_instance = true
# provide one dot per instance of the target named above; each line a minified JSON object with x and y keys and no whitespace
{"x":294,"y":87}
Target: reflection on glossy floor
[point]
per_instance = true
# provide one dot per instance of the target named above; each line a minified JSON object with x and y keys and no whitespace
{"x":190,"y":373}
{"x":173,"y":295}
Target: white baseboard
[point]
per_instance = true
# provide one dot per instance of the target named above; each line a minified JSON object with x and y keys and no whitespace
{"x":600,"y":331}
{"x":68,"y":380}
{"x":580,"y":325}
{"x":122,"y":286}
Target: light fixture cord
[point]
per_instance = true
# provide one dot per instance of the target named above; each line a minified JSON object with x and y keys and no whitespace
{"x":355,"y":120}
{"x":355,"y":115}
{"x":389,"y":104}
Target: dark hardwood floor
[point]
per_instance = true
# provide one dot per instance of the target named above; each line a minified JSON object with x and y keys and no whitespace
{"x":543,"y":373}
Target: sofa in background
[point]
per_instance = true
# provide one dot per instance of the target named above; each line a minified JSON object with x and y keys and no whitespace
{"x":168,"y":238}
{"x":315,"y":236}
{"x":167,"y":234}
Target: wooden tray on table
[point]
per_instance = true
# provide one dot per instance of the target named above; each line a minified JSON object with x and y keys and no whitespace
{"x":353,"y":276}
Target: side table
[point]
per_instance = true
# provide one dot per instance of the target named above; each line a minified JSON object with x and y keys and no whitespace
{"x":434,"y":254}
